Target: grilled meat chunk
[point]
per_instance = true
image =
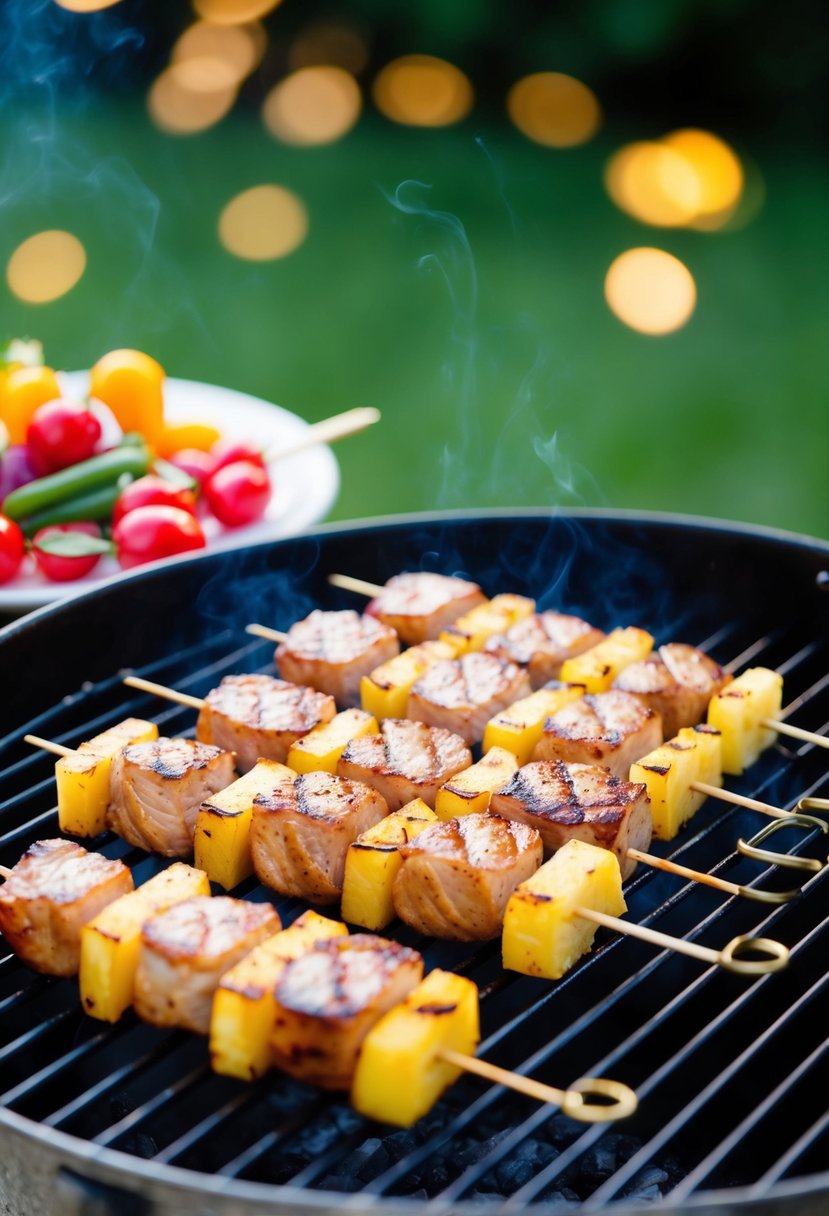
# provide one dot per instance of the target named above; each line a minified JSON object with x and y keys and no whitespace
{"x":677,"y":681}
{"x":157,"y":788}
{"x":457,"y":876}
{"x":300,"y":833}
{"x":462,"y":694}
{"x":186,"y":950}
{"x":609,"y":728}
{"x":328,"y":999}
{"x":55,"y":888}
{"x":542,"y":642}
{"x":418,"y":605}
{"x":406,"y":760}
{"x":332,"y":651}
{"x":578,"y":802}
{"x":258,"y":717}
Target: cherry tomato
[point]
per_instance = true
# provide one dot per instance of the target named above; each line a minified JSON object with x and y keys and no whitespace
{"x":12,"y":549}
{"x":149,"y":533}
{"x":61,"y":433}
{"x":152,"y":491}
{"x":58,"y":567}
{"x":197,"y":464}
{"x":225,"y":452}
{"x":238,"y":493}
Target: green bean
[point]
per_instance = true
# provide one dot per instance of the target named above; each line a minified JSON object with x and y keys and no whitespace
{"x":94,"y":505}
{"x":93,"y":474}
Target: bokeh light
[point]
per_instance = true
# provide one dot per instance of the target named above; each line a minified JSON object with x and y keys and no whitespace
{"x":212,"y":57}
{"x":45,"y":266}
{"x":650,"y":290}
{"x":718,"y":171}
{"x":313,"y":106}
{"x":263,"y":223}
{"x":329,"y":42}
{"x":180,"y":104}
{"x":554,"y":109}
{"x":85,"y":6}
{"x":233,"y":12}
{"x":422,"y":91}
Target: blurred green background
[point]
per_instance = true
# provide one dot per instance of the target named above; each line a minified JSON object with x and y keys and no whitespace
{"x":454,"y":277}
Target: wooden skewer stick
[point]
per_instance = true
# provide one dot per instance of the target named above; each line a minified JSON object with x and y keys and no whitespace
{"x":796,"y":732}
{"x":750,"y":804}
{"x":574,"y":1101}
{"x":329,"y":431}
{"x":47,"y":745}
{"x":161,"y":690}
{"x":5,"y":872}
{"x":359,"y":585}
{"x":777,"y":955}
{"x":712,"y":880}
{"x":265,"y":631}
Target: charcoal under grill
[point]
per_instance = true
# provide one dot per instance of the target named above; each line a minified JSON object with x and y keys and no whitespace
{"x":730,"y":1072}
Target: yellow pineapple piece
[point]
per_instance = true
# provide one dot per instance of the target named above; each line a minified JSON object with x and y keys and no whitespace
{"x":385,"y":691}
{"x":738,"y":713}
{"x":372,"y":863}
{"x":519,"y":727}
{"x":111,"y":941}
{"x":469,"y":791}
{"x":598,"y":667}
{"x":401,"y":1071}
{"x":222,"y":838}
{"x":470,"y":631}
{"x":321,"y":748}
{"x":83,"y":777}
{"x":669,"y":772}
{"x":543,"y":933}
{"x":243,"y":1007}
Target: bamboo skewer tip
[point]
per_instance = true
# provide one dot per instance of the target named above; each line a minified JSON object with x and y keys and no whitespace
{"x":359,"y":585}
{"x":265,"y":631}
{"x":48,"y":745}
{"x":5,"y":872}
{"x":161,"y":690}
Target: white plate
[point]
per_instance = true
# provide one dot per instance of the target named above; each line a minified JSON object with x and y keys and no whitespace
{"x":305,"y":485}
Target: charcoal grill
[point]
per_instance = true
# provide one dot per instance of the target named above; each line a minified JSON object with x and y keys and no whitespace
{"x":730,"y":1072}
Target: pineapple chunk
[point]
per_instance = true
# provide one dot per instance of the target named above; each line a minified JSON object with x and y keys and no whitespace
{"x":598,"y":667}
{"x":243,"y":1007}
{"x":518,"y":727}
{"x":470,"y":790}
{"x":83,"y":777}
{"x":372,"y":863}
{"x":321,"y":748}
{"x":470,"y":631}
{"x":111,"y":941}
{"x":669,"y":773}
{"x":401,"y":1072}
{"x":738,"y":713}
{"x":385,"y":692}
{"x":222,"y":838}
{"x":543,"y":933}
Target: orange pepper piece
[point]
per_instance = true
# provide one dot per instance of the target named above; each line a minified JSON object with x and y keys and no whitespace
{"x":176,"y":436}
{"x":24,"y":390}
{"x":131,"y":384}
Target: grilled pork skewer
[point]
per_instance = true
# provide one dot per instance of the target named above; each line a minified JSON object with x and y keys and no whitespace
{"x":543,"y":642}
{"x":55,"y":888}
{"x":677,"y":681}
{"x":417,"y":605}
{"x":405,"y":760}
{"x":462,"y":694}
{"x":608,"y":728}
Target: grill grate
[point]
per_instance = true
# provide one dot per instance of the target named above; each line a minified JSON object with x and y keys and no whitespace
{"x":724,"y":1067}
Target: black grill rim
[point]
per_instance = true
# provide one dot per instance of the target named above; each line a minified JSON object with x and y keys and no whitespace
{"x":111,"y":1167}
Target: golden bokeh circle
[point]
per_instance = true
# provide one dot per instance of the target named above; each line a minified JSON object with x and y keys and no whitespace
{"x":554,"y":109}
{"x":650,"y":290}
{"x":85,"y":6}
{"x":233,"y":12}
{"x":654,"y":183}
{"x":263,"y":223}
{"x":422,"y":91}
{"x":719,"y":172}
{"x":315,"y":105}
{"x":212,"y":57}
{"x":178,"y":107}
{"x":45,"y":266}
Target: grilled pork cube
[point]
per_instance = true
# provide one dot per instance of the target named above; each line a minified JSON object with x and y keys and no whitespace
{"x":300,"y":833}
{"x":457,"y":876}
{"x":418,"y":605}
{"x":372,"y":864}
{"x":578,"y":802}
{"x":157,"y":788}
{"x":462,"y":694}
{"x":544,"y":641}
{"x":677,"y":681}
{"x":518,"y":727}
{"x":328,"y":999}
{"x":186,"y":950}
{"x":739,"y":713}
{"x":332,"y":651}
{"x":543,"y":932}
{"x":82,"y":777}
{"x":408,"y":1043}
{"x":259,"y":718}
{"x":55,"y":888}
{"x":385,"y":692}
{"x":406,"y":760}
{"x":609,"y":728}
